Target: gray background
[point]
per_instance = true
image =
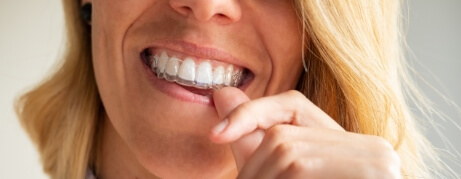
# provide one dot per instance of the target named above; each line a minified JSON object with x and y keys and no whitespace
{"x":434,"y":37}
{"x":31,"y":35}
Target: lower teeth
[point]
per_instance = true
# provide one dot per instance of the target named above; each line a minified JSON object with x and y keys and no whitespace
{"x":186,"y":72}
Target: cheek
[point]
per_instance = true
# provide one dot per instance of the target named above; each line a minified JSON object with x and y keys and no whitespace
{"x":282,"y":36}
{"x":285,"y":74}
{"x":111,"y":19}
{"x":287,"y":60}
{"x":121,"y":80}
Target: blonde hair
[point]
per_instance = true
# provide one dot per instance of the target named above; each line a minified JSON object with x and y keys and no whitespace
{"x":355,"y":73}
{"x":61,"y":114}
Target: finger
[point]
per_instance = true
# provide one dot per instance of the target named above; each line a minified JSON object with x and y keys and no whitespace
{"x":226,"y":100}
{"x":245,"y":147}
{"x":286,"y":108}
{"x":285,"y":154}
{"x":279,"y":160}
{"x":315,"y":168}
{"x":286,"y":143}
{"x":339,"y":168}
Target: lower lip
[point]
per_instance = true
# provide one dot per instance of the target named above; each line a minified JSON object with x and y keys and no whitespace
{"x":174,"y":90}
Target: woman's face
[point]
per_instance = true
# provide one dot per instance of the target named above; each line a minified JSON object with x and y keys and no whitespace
{"x":162,"y":121}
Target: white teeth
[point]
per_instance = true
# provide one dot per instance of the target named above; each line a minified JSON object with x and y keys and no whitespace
{"x":162,"y":61}
{"x":171,"y":68}
{"x":218,"y":75}
{"x":187,"y":70}
{"x":204,"y":74}
{"x":228,"y":77}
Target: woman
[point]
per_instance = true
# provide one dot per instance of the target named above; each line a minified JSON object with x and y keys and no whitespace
{"x":315,"y":92}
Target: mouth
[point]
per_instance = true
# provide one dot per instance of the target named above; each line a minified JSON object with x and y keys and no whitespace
{"x":198,"y":75}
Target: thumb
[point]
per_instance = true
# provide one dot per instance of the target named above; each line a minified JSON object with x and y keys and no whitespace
{"x":226,"y":100}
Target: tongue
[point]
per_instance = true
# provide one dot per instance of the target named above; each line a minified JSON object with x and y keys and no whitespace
{"x":203,"y":92}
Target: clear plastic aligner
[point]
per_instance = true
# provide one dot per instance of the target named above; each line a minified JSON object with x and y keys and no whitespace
{"x":186,"y":72}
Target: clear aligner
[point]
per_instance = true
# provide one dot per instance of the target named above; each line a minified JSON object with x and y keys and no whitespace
{"x":186,"y":72}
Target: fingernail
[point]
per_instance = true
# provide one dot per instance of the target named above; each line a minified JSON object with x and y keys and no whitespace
{"x":220,"y":127}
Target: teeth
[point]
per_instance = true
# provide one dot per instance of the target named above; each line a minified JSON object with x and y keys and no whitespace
{"x":204,"y":75}
{"x":218,"y":75}
{"x":171,"y":69}
{"x":228,"y":77}
{"x":162,"y":60}
{"x":187,"y":72}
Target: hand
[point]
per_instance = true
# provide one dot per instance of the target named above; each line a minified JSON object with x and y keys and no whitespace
{"x":287,"y":136}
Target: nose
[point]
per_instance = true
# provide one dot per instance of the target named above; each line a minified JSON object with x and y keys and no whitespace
{"x":205,"y":10}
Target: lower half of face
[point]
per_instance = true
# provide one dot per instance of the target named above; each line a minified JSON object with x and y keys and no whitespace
{"x":158,"y":62}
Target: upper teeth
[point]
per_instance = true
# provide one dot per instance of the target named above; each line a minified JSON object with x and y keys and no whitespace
{"x":187,"y":72}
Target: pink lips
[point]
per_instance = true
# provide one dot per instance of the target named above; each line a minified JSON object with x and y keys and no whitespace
{"x":176,"y":91}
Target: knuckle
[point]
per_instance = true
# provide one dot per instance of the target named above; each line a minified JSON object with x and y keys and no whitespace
{"x":306,"y":167}
{"x":244,"y":107}
{"x":283,"y":151}
{"x":395,"y":158}
{"x":276,"y":133}
{"x":391,"y":157}
{"x":393,"y":163}
{"x":296,"y":96}
{"x":285,"y":148}
{"x":382,"y":143}
{"x":241,"y":111}
{"x":294,"y":93}
{"x":386,"y":151}
{"x":297,"y":167}
{"x":387,"y":170}
{"x":387,"y":165}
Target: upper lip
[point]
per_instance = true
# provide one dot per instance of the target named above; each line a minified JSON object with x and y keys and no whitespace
{"x":199,"y":51}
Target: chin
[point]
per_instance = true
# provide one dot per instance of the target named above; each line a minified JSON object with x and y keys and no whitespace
{"x":196,"y":164}
{"x":181,"y":148}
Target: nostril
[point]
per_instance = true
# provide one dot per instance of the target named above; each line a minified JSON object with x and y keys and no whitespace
{"x":222,"y":17}
{"x":185,"y":10}
{"x":181,"y":7}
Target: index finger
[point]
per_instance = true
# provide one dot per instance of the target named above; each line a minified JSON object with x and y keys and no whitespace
{"x":290,"y":107}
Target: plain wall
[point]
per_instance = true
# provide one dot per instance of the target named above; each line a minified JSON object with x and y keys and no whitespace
{"x":31,"y":35}
{"x":434,"y":37}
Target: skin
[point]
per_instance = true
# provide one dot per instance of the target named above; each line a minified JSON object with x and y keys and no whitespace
{"x":296,"y":140}
{"x":145,"y":137}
